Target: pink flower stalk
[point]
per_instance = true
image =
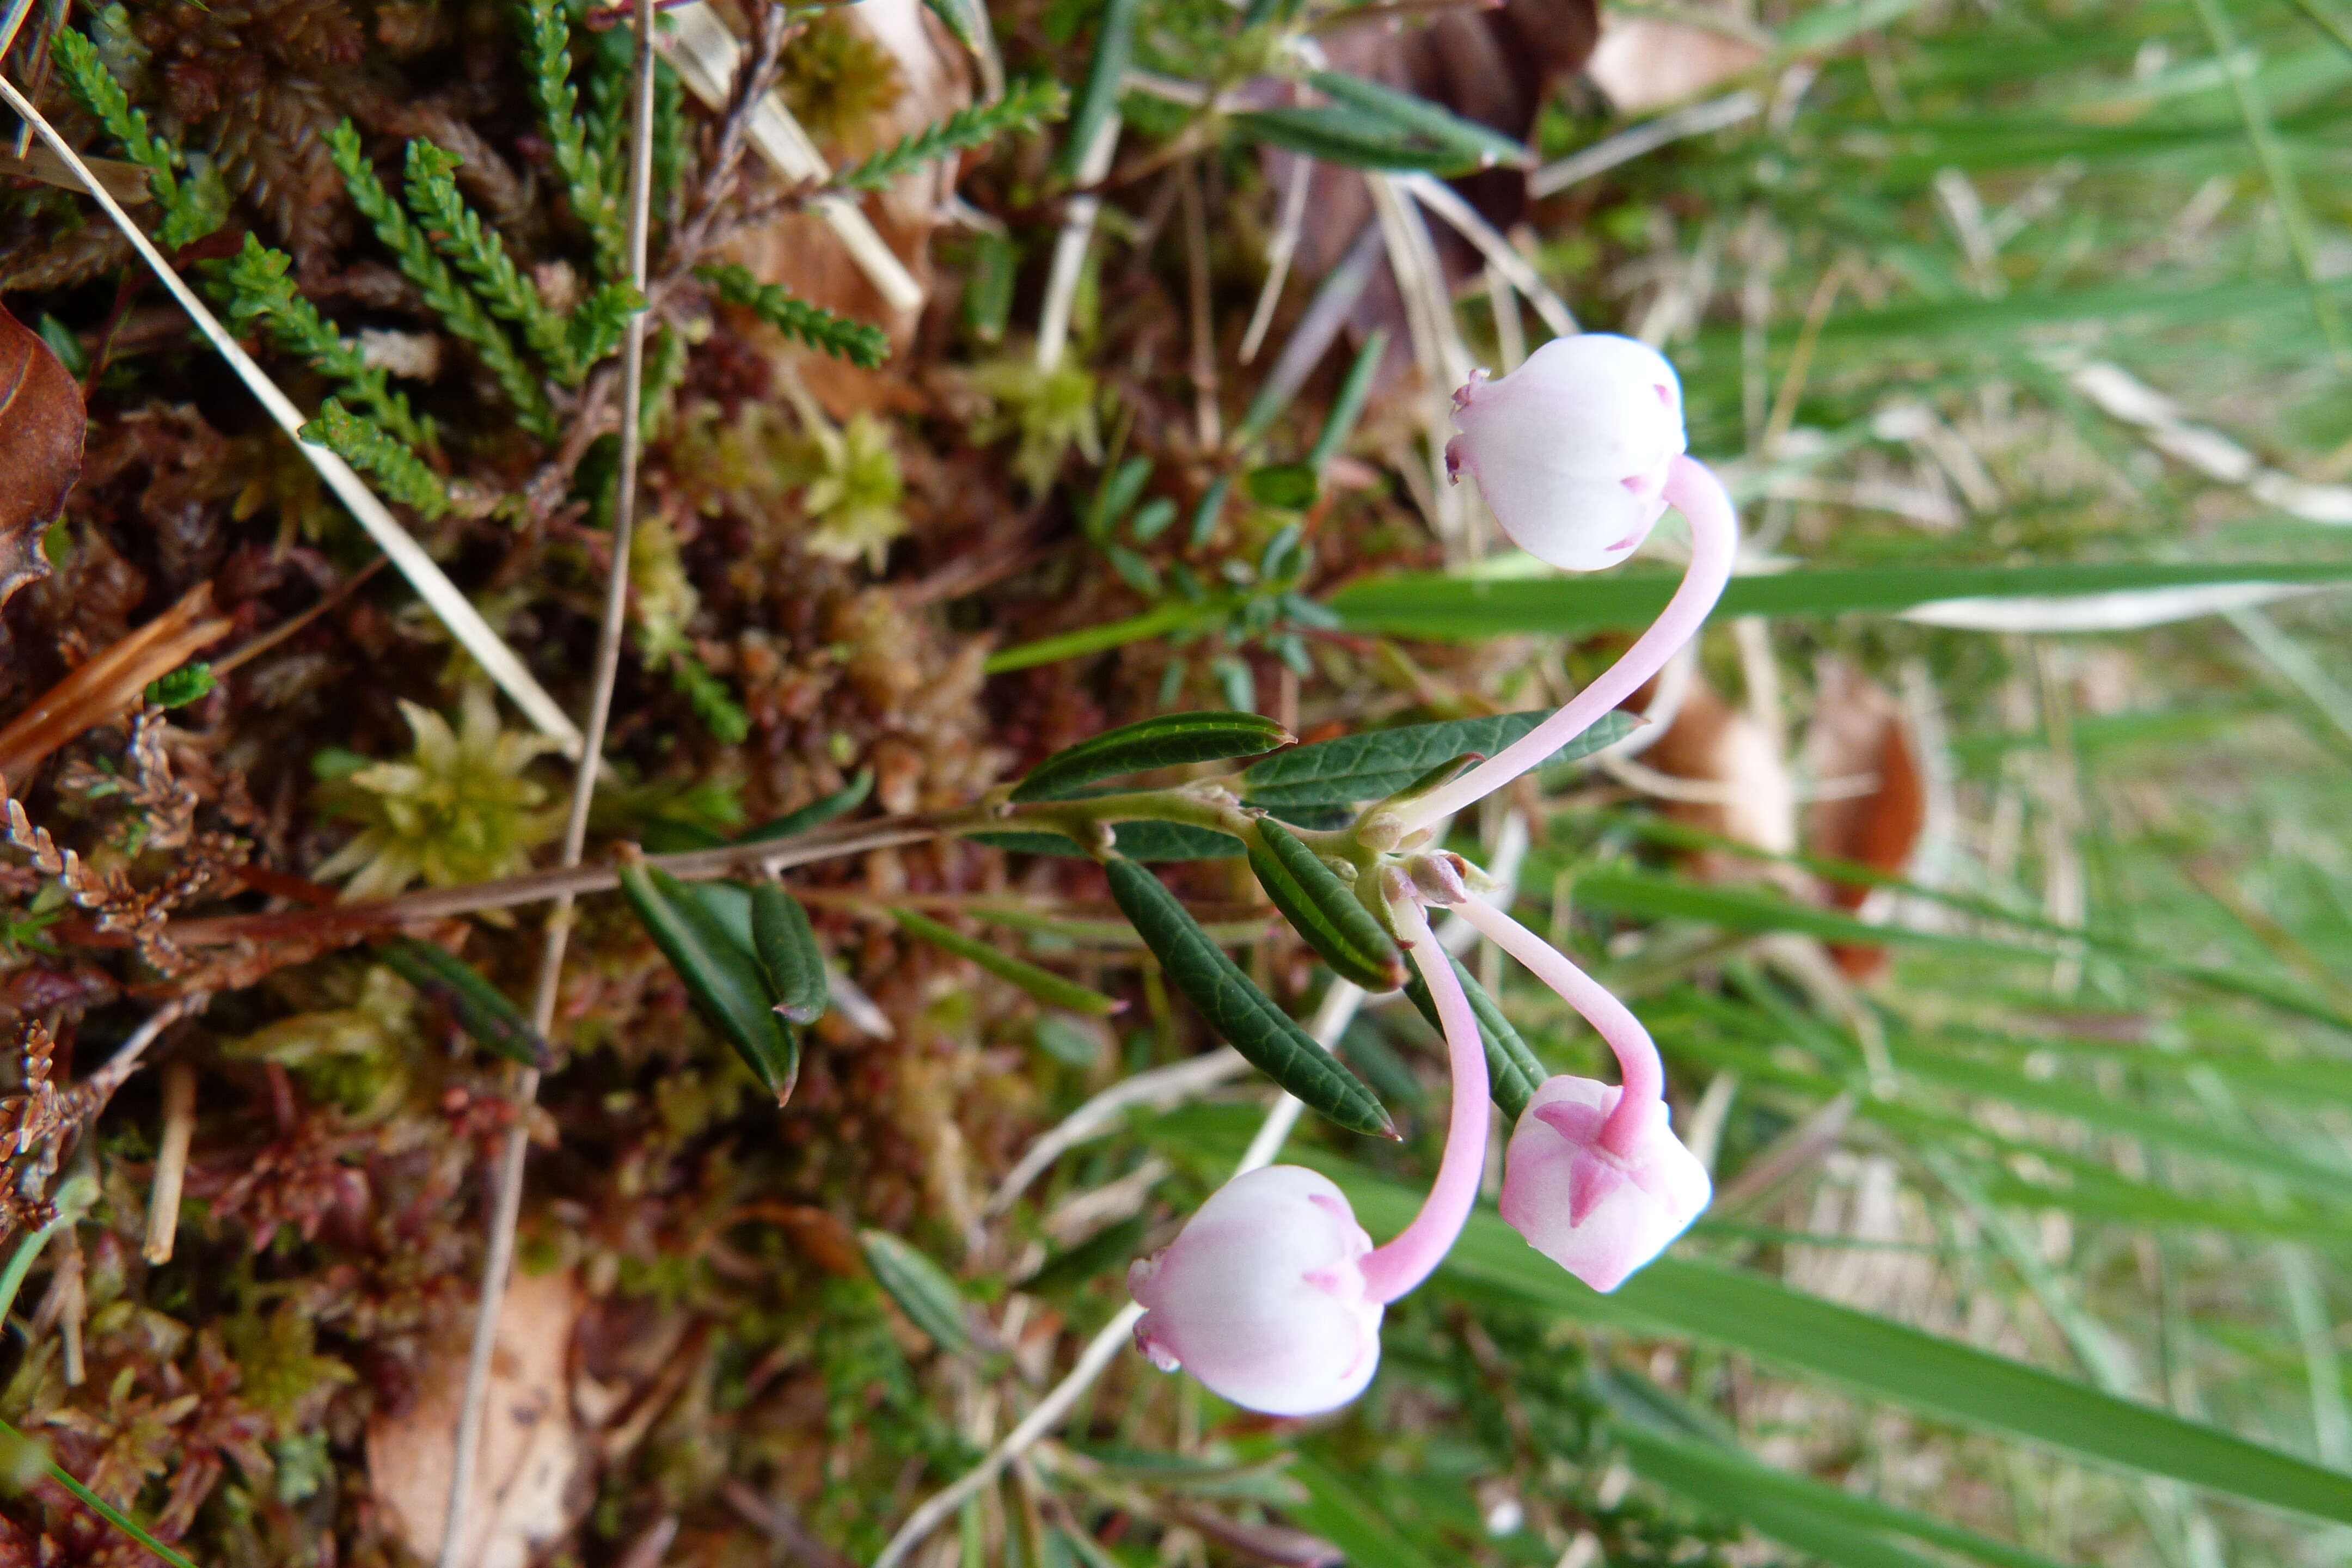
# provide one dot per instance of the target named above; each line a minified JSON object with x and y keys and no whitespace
{"x":1595,"y":1177}
{"x":1272,"y":1294}
{"x":1539,"y":443}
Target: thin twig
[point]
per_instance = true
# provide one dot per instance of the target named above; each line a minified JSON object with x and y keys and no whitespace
{"x":1070,"y":246}
{"x":170,"y":1160}
{"x":1279,"y":257}
{"x":1442,"y":200}
{"x":94,"y":1091}
{"x":457,"y":612}
{"x":1331,"y":1020}
{"x":507,"y":1200}
{"x":1647,"y":137}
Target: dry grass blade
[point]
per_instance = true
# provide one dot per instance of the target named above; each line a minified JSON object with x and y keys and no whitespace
{"x":506,"y":1206}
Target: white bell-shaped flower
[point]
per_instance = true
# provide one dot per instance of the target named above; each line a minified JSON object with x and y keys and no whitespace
{"x":1571,"y":449}
{"x":1596,"y":1213}
{"x":1261,"y":1296}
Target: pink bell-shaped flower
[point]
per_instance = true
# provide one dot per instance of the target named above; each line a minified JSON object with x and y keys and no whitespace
{"x":1262,"y":1296}
{"x":1597,"y":1213}
{"x":1571,"y":449}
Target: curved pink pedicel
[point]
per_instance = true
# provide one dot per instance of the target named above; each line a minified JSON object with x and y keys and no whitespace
{"x":1392,"y":1270}
{"x":1643,"y":1074}
{"x":1693,"y":490}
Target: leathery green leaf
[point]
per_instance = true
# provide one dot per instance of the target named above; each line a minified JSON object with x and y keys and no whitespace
{"x":1165,"y":742}
{"x":1324,"y":911}
{"x":1043,"y":984}
{"x":722,"y":977}
{"x":788,"y":953}
{"x":920,"y":1286}
{"x":1513,"y":1071}
{"x":1244,"y":1016}
{"x":482,"y":1010}
{"x":1377,"y":764}
{"x":816,"y":813}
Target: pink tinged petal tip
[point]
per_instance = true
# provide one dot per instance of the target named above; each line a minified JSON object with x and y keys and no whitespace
{"x":1598,"y":1214}
{"x":1262,"y":1296}
{"x":1571,"y":449}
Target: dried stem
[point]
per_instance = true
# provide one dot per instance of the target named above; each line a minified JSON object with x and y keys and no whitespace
{"x":170,"y":1160}
{"x":507,"y":1199}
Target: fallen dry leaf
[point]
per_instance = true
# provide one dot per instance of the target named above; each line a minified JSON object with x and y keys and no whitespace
{"x":531,"y":1483}
{"x":1754,"y":800}
{"x":1859,"y":734}
{"x":1644,"y":64}
{"x":41,"y":425}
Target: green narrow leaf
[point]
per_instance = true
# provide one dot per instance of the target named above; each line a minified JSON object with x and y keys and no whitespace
{"x":1324,"y":910}
{"x":788,"y":953}
{"x":1482,"y":146}
{"x":1043,"y":984}
{"x":1514,"y":1072}
{"x":1105,"y":77}
{"x":1112,"y":1246}
{"x":815,"y":813}
{"x":1242,"y":1015}
{"x":92,"y":1501}
{"x":1349,"y":1521}
{"x":1349,"y":407}
{"x":482,"y":1010}
{"x":1443,"y":609}
{"x":920,"y":1286}
{"x":1292,"y":485}
{"x":720,"y":974}
{"x":1355,"y":139}
{"x":1777,"y":1503}
{"x":1377,"y":764}
{"x":1167,"y":740}
{"x":1876,"y":1357}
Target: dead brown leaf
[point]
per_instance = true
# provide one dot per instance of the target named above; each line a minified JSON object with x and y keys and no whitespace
{"x":1645,"y":64}
{"x":41,"y":424}
{"x":1859,"y":739}
{"x":1752,"y":798}
{"x":531,"y":1483}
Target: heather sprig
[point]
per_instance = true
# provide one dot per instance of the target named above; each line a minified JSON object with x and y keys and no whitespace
{"x":859,"y":343}
{"x":1024,"y":106}
{"x":193,"y":206}
{"x":260,"y":290}
{"x":547,"y":62}
{"x":458,"y":232}
{"x":460,"y":312}
{"x":399,"y":472}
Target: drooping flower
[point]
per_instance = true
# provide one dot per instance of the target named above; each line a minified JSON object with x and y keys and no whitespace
{"x":1272,"y":1294}
{"x":1596,"y":1213}
{"x":1571,"y":449}
{"x":1262,"y":1296}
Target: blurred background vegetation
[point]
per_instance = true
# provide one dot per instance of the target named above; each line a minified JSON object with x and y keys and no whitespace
{"x":1986,"y":878}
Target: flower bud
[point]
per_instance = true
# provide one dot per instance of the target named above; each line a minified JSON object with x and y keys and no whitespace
{"x":1571,"y":449}
{"x":1597,"y":1214}
{"x":1261,"y":1296}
